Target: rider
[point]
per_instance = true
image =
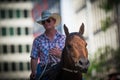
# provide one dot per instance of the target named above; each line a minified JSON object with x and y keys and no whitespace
{"x":48,"y":46}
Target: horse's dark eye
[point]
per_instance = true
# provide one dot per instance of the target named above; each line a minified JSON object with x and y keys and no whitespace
{"x":86,"y":45}
{"x":69,"y":46}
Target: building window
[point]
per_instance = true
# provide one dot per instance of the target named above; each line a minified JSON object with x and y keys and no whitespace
{"x":0,"y":67}
{"x":2,"y":14}
{"x":5,"y":66}
{"x":0,"y":49}
{"x":27,"y":48}
{"x":13,"y":66}
{"x":11,"y":30}
{"x":0,"y":31}
{"x":2,"y":0}
{"x":21,"y":66}
{"x":5,"y":49}
{"x":25,"y":13}
{"x":12,"y":49}
{"x":18,"y":13}
{"x":20,"y":48}
{"x":26,"y":30}
{"x":28,"y":66}
{"x":19,"y":31}
{"x":4,"y":31}
{"x":10,"y":13}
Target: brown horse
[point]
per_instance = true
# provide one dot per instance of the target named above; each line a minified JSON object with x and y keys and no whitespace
{"x":74,"y":60}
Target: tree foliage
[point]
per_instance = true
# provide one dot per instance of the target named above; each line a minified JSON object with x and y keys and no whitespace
{"x":105,"y":59}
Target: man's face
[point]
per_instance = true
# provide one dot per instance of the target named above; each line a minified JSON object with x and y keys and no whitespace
{"x":49,"y":23}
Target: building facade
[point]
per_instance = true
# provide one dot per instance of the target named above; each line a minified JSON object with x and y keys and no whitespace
{"x":16,"y":36}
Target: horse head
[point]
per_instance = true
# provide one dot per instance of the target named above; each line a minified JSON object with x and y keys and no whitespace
{"x":75,"y":52}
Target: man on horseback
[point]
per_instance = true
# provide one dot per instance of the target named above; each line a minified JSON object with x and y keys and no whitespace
{"x":48,"y":46}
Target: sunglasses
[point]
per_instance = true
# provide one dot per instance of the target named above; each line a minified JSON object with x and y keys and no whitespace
{"x":48,"y":21}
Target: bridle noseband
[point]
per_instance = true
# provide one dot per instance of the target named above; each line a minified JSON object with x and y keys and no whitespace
{"x":70,"y":70}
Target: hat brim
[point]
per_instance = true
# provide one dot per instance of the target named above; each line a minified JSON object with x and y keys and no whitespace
{"x":56,"y":16}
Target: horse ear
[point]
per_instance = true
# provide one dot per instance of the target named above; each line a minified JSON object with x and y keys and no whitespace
{"x":66,"y":30}
{"x":81,"y":31}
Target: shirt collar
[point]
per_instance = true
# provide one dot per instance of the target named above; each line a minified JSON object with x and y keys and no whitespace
{"x":55,"y":37}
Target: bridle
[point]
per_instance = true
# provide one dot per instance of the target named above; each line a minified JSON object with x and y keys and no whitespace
{"x":67,"y":69}
{"x":75,"y":64}
{"x":70,"y":70}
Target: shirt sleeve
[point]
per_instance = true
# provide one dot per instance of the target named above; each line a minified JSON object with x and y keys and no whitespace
{"x":35,"y":50}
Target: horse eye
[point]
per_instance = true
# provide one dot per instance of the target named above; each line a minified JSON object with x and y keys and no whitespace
{"x":85,"y":44}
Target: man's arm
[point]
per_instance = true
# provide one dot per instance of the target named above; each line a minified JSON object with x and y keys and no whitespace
{"x":33,"y":67}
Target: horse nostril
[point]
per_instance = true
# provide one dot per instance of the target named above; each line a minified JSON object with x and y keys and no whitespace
{"x":87,"y":62}
{"x":80,"y":62}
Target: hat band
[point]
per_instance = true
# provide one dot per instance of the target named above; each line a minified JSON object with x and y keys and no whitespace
{"x":45,"y":17}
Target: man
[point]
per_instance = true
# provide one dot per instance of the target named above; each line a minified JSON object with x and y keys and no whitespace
{"x":48,"y":46}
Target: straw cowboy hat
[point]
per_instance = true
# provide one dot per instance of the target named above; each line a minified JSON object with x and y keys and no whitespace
{"x":46,"y":14}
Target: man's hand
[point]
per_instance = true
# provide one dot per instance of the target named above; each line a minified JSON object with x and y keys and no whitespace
{"x":32,"y":76}
{"x":56,"y":52}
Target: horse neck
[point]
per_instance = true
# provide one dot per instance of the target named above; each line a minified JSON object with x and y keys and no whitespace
{"x":65,"y":63}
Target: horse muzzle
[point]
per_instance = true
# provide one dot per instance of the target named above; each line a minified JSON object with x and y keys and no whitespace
{"x":83,"y":65}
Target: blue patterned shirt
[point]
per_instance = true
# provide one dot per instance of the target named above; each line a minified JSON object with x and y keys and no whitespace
{"x":42,"y":45}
